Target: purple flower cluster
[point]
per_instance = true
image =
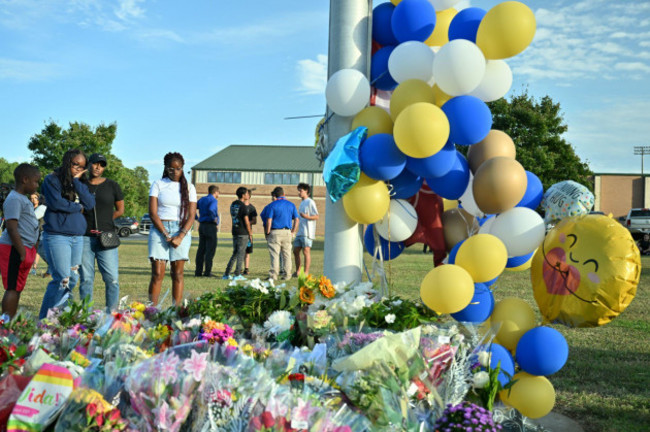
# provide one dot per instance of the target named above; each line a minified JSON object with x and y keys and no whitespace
{"x":466,"y":417}
{"x":216,"y":332}
{"x":359,"y":339}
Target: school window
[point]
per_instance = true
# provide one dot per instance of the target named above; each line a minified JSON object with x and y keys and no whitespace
{"x":224,"y":177}
{"x":281,"y":178}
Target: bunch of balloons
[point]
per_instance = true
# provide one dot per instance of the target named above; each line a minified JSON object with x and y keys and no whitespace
{"x":441,"y":66}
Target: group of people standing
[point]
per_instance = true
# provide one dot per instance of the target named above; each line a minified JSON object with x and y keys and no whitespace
{"x":81,"y":204}
{"x":281,"y":222}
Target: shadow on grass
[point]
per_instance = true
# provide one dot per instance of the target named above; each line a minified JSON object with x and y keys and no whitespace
{"x":605,"y":389}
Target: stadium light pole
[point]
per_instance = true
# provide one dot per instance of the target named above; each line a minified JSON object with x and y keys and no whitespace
{"x":350,"y":32}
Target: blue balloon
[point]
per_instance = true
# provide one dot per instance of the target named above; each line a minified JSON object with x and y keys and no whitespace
{"x":507,"y":363}
{"x":406,"y":185}
{"x":465,"y":24}
{"x":380,"y":158}
{"x":542,"y":351}
{"x":379,"y":75}
{"x":518,"y":260}
{"x":491,"y":282}
{"x":479,"y":308}
{"x":413,"y":20}
{"x":382,"y":32}
{"x":433,"y":166}
{"x":396,"y":248}
{"x":482,"y":220}
{"x":470,"y":119}
{"x":534,"y":192}
{"x":341,"y":170}
{"x":453,"y":184}
{"x":451,"y":258}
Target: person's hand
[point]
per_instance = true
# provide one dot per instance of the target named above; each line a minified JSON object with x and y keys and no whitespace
{"x":22,"y":252}
{"x":176,"y":241}
{"x":80,"y":173}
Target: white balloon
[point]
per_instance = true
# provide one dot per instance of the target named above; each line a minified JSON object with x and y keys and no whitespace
{"x":486,"y":228}
{"x":458,"y":67}
{"x":439,"y":5}
{"x":411,"y":60}
{"x":467,"y":199}
{"x":402,"y":221}
{"x":496,"y":81}
{"x":347,"y":92}
{"x":521,"y":229}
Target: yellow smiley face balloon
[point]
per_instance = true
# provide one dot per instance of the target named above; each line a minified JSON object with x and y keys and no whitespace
{"x":586,"y":271}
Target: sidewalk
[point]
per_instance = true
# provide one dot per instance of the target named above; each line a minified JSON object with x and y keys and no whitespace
{"x":555,"y":422}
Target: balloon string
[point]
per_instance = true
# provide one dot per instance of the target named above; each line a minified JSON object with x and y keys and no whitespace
{"x":390,"y":265}
{"x":564,"y":274}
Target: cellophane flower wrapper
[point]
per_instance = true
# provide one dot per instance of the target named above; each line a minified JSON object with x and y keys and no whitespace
{"x":230,"y":393}
{"x":348,"y":340}
{"x":11,"y":387}
{"x":88,"y":410}
{"x":162,"y":388}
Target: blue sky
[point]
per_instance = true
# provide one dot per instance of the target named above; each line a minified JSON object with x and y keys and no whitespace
{"x":197,"y":76}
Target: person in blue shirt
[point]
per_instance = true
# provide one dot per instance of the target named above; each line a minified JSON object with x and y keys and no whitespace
{"x":67,"y":196}
{"x":208,"y":217}
{"x":280,"y":227}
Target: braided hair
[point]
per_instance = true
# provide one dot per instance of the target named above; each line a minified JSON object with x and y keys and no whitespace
{"x":185,"y":190}
{"x":65,"y":176}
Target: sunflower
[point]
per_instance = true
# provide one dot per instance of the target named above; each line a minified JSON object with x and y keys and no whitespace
{"x":306,"y":295}
{"x":326,"y":287}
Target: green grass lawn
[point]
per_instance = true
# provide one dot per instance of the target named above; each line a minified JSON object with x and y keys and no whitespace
{"x":605,"y":385}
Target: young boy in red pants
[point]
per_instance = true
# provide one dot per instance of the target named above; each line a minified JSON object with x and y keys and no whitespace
{"x":19,"y":239}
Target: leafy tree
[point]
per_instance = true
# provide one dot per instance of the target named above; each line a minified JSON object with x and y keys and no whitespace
{"x":7,"y":171}
{"x":536,"y":127}
{"x":49,"y":146}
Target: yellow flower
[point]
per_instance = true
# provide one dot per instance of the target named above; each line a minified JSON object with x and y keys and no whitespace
{"x":232,"y":342}
{"x":138,"y":315}
{"x":306,"y":295}
{"x":247,"y":349}
{"x":326,"y":287}
{"x":140,"y":307}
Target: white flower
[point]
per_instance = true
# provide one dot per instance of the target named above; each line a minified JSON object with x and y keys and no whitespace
{"x":396,"y":302}
{"x":194,"y":322}
{"x":278,"y":322}
{"x":390,"y":318}
{"x":484,"y":358}
{"x":480,"y":379}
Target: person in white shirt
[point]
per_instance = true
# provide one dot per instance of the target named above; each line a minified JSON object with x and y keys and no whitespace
{"x":172,"y":209}
{"x":306,"y":229}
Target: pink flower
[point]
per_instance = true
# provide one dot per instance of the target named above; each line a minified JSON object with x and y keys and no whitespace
{"x":161,"y":413}
{"x":196,"y":365}
{"x":168,"y":364}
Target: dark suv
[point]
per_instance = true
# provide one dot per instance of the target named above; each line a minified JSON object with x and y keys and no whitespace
{"x":145,"y":224}
{"x":126,"y":226}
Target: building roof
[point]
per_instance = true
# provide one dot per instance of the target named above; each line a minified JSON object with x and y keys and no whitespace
{"x":240,"y":157}
{"x":619,"y":174}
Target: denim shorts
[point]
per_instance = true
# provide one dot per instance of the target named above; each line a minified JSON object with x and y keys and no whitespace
{"x":302,"y":242}
{"x":159,"y":249}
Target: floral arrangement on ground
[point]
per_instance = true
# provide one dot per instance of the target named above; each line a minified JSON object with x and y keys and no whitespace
{"x":315,"y":356}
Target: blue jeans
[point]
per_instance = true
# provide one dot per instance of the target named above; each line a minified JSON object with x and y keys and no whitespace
{"x":63,"y":254}
{"x":107,"y":262}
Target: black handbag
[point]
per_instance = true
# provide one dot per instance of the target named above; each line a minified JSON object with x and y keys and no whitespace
{"x":107,"y":239}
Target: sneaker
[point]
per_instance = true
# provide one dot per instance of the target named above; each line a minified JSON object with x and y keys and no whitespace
{"x":295,"y":274}
{"x":238,"y":278}
{"x":226,"y":277}
{"x":245,"y":272}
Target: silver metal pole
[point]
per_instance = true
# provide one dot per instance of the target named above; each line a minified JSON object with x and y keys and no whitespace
{"x":349,"y":48}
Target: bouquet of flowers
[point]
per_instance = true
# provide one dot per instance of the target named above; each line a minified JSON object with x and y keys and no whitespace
{"x":87,"y":411}
{"x":466,"y":416}
{"x":162,"y":388}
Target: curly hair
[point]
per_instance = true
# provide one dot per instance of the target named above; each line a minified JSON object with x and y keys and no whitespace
{"x":185,"y":189}
{"x":65,"y":176}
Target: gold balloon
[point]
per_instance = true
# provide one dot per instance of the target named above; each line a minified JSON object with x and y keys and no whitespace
{"x":410,"y":92}
{"x":441,"y":97}
{"x":495,"y":144}
{"x":440,"y":35}
{"x":449,"y":204}
{"x":516,"y":317}
{"x":586,"y":272}
{"x":533,"y":396}
{"x":447,"y":289}
{"x":506,"y":30}
{"x":376,"y":119}
{"x":457,"y":225}
{"x":484,"y":256}
{"x":499,"y":184}
{"x":395,"y":2}
{"x":421,"y":130}
{"x":368,"y":200}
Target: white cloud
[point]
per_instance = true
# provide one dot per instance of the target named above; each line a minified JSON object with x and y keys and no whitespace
{"x":632,"y":67}
{"x":22,"y":70}
{"x":129,"y":9}
{"x":312,"y":75}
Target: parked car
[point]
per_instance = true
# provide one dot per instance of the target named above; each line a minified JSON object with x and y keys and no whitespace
{"x":126,"y":226}
{"x":145,"y":224}
{"x":638,"y":222}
